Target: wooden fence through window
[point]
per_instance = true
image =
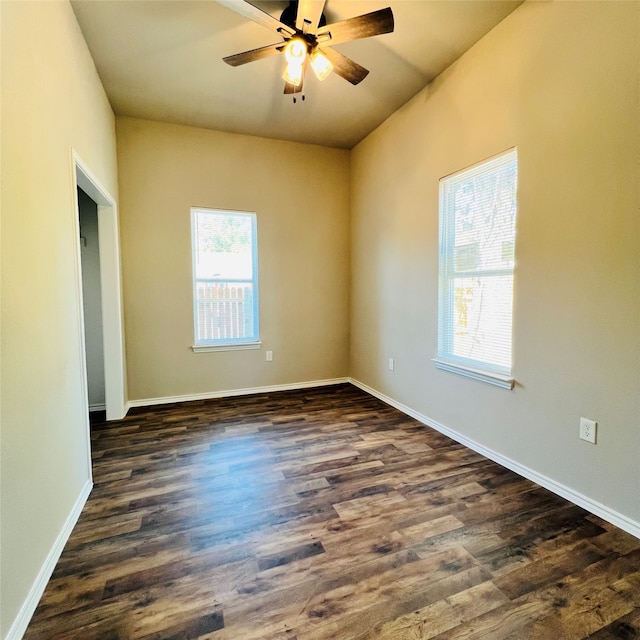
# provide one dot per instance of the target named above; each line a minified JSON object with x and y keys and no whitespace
{"x":223,"y":312}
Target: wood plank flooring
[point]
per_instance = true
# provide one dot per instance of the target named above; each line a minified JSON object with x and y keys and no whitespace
{"x":325,"y":514}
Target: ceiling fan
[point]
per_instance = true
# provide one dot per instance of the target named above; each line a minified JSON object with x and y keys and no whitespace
{"x":307,"y":40}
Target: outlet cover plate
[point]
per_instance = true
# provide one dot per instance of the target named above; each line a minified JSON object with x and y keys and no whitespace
{"x":588,"y":430}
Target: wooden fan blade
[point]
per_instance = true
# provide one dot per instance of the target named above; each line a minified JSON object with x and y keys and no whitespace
{"x":309,"y":13}
{"x":345,"y":67}
{"x":255,"y":54}
{"x":263,"y":18}
{"x":364,"y":26}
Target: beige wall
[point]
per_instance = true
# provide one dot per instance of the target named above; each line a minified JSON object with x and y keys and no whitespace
{"x":301,"y":196}
{"x":52,"y":100}
{"x":560,"y":81}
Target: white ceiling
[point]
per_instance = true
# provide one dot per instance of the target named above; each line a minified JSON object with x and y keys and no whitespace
{"x":162,"y":60}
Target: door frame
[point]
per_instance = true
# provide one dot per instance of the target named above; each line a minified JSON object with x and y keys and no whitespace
{"x":111,"y":291}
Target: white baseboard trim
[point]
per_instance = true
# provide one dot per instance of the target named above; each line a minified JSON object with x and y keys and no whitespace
{"x":21,"y":622}
{"x":598,"y":509}
{"x":97,"y":407}
{"x":147,"y":402}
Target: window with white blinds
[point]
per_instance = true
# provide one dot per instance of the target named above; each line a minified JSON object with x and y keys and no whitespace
{"x":225,"y":279}
{"x":478,"y":209}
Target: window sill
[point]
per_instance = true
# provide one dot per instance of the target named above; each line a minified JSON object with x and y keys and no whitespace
{"x":240,"y":346}
{"x":496,"y":379}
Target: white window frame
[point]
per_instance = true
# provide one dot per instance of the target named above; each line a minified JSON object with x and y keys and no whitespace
{"x":446,"y":359}
{"x":226,"y":344}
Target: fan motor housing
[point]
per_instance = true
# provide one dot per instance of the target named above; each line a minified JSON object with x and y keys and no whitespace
{"x":288,"y":16}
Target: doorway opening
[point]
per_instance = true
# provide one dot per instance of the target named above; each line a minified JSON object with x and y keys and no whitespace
{"x":91,"y":300}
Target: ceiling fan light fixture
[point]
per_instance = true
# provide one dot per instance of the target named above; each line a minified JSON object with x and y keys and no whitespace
{"x":296,"y":51}
{"x":307,"y":39}
{"x":293,"y":74}
{"x":321,"y":65}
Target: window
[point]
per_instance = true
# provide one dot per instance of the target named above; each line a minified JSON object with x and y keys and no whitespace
{"x":477,"y":240}
{"x":225,"y":280}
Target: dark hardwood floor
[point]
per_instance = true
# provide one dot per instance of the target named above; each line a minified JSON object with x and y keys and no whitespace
{"x":325,"y":514}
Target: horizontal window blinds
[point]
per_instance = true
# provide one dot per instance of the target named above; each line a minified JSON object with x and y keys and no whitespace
{"x":477,"y":247}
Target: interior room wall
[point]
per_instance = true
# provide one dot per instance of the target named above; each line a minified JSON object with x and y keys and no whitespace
{"x":559,"y":81}
{"x":52,"y":101}
{"x":301,"y":196}
{"x":91,"y":299}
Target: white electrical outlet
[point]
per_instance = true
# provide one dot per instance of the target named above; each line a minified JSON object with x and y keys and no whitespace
{"x":269,"y":356}
{"x":588,"y":430}
{"x":391,"y":364}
